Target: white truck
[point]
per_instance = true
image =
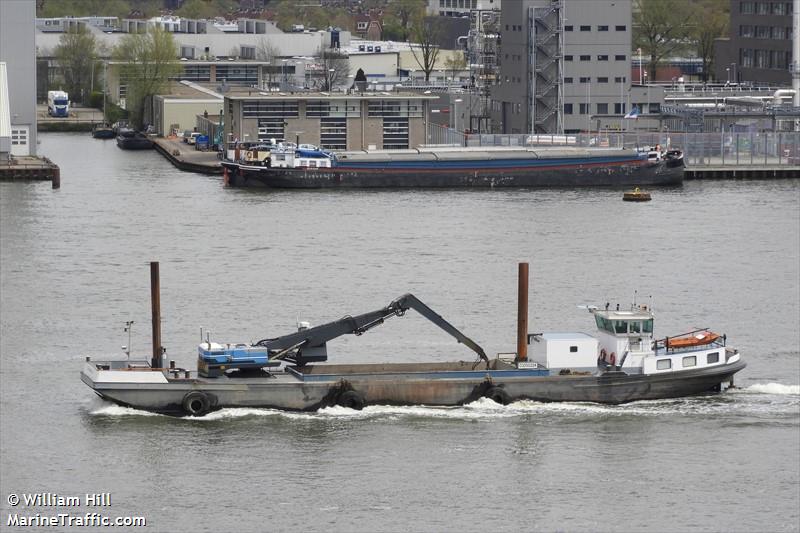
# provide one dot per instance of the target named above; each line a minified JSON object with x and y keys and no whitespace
{"x":57,"y":104}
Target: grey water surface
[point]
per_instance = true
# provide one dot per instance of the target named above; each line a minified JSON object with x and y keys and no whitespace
{"x":248,"y":264}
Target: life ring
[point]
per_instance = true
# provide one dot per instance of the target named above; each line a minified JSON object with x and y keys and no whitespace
{"x":498,"y":395}
{"x":196,"y":403}
{"x":612,"y":359}
{"x":351,"y":399}
{"x":603,"y":354}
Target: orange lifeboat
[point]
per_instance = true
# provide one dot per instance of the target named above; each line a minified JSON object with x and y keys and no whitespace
{"x":695,"y":339}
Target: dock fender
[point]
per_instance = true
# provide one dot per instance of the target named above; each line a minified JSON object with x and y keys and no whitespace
{"x":197,"y":403}
{"x":498,"y":395}
{"x":351,"y":399}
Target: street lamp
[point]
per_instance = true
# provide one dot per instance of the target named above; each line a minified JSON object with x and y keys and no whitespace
{"x":734,"y":78}
{"x":330,"y":78}
{"x":639,"y":51}
{"x":455,"y":112}
{"x":727,"y":76}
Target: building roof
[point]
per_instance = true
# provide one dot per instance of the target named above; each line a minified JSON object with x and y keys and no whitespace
{"x":242,"y":93}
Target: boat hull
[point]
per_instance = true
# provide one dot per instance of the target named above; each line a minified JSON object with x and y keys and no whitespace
{"x":134,"y":143}
{"x":373,"y":384}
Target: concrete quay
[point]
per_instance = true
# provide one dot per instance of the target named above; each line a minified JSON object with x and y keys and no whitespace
{"x":185,"y":157}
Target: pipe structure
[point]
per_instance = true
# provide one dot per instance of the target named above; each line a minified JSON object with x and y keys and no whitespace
{"x":155,"y":297}
{"x":522,"y":313}
{"x":796,"y":58}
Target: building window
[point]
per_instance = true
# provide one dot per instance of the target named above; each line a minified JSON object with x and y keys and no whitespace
{"x":712,"y":358}
{"x":567,"y":28}
{"x":573,"y":349}
{"x":621,"y":27}
{"x":567,"y":109}
{"x":778,"y":8}
{"x":333,"y":133}
{"x":602,"y":109}
{"x":247,"y":52}
{"x":568,"y":80}
{"x":620,"y":57}
{"x":778,"y":32}
{"x":586,"y":28}
{"x":762,"y":8}
{"x":619,"y":79}
{"x":602,"y":28}
{"x":602,"y":79}
{"x":746,"y":8}
{"x":187,"y":52}
{"x":619,"y":109}
{"x":585,"y":79}
{"x":395,"y":133}
{"x":689,"y":361}
{"x":585,"y":58}
{"x":568,"y":58}
{"x":602,"y":57}
{"x":584,"y":109}
{"x":664,"y":364}
{"x":271,"y":128}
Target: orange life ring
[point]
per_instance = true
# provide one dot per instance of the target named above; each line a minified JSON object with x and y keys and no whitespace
{"x":612,"y":359}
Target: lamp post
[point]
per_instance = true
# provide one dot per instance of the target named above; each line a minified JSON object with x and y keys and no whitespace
{"x":733,"y":79}
{"x":283,"y":72}
{"x":331,"y":71}
{"x":641,"y":71}
{"x":455,"y":113}
{"x":728,"y":76}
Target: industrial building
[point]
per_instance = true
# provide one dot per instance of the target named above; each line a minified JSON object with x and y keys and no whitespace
{"x":18,"y":52}
{"x":560,"y":63}
{"x":336,"y":121}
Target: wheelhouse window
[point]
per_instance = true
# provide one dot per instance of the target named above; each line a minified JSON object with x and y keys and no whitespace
{"x":636,"y":327}
{"x":647,"y":326}
{"x":603,"y":324}
{"x":689,"y":361}
{"x":712,"y":358}
{"x":663,"y":364}
{"x":621,"y":326}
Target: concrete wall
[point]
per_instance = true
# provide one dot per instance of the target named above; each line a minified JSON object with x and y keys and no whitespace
{"x":18,"y":51}
{"x":169,"y":111}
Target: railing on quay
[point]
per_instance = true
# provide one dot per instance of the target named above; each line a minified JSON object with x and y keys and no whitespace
{"x":775,"y":148}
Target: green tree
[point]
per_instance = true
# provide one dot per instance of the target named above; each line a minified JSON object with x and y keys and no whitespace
{"x":77,"y":56}
{"x":197,"y":9}
{"x":713,"y":17}
{"x":455,"y":64}
{"x":405,"y":16}
{"x":661,"y":28}
{"x":149,"y":61}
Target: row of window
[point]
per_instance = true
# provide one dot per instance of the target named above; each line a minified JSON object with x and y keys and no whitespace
{"x":765,"y":32}
{"x":600,"y":79}
{"x":619,"y":27}
{"x":601,"y":109}
{"x":265,"y":109}
{"x":765,"y":7}
{"x":459,"y":4}
{"x":600,"y":57}
{"x":774,"y":59}
{"x":688,"y":361}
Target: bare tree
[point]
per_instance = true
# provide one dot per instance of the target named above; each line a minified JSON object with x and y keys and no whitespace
{"x":334,"y":68}
{"x":712,"y":24}
{"x":269,"y":53}
{"x":426,"y":35}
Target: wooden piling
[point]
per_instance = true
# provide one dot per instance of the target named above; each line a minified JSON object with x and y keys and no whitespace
{"x":155,"y":297}
{"x":522,"y":313}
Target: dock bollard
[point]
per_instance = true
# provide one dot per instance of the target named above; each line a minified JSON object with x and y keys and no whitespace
{"x":172,"y":364}
{"x":56,"y":178}
{"x":187,"y":374}
{"x":88,"y":358}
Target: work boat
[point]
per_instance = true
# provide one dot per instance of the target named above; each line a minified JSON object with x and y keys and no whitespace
{"x":621,"y":362}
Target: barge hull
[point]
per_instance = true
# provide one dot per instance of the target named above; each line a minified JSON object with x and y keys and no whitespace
{"x":286,"y":391}
{"x":646,"y":174}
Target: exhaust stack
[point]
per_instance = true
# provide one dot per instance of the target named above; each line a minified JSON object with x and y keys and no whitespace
{"x":522,"y":313}
{"x":155,"y":297}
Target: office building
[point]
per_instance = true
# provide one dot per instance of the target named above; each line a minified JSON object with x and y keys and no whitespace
{"x":18,"y":52}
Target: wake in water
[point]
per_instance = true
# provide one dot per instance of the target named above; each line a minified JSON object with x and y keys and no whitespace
{"x":757,"y":398}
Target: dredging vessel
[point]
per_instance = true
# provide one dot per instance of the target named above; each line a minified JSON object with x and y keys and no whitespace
{"x":291,"y":166}
{"x":621,"y":362}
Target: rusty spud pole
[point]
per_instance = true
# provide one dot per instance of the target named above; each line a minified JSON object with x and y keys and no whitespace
{"x":155,"y":297}
{"x":522,"y":313}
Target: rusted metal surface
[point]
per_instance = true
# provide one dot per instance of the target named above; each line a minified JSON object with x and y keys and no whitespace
{"x":155,"y":297}
{"x":522,"y":313}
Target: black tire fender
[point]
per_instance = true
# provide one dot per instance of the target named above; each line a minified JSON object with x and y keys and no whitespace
{"x":196,"y":403}
{"x":498,"y":395}
{"x":351,"y":399}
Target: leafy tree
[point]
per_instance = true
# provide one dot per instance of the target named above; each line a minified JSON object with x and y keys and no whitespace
{"x":404,"y":15}
{"x":661,"y":28}
{"x":713,"y":17}
{"x":426,"y":35}
{"x":77,"y":54}
{"x":197,"y":9}
{"x":149,"y":62}
{"x":269,"y":53}
{"x":455,"y":64}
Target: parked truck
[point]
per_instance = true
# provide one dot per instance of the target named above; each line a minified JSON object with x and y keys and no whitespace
{"x":57,"y":104}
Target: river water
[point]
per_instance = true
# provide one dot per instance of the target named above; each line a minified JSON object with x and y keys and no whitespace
{"x":249,"y":264}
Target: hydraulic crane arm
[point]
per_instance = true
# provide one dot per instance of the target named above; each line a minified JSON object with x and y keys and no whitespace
{"x":309,"y":345}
